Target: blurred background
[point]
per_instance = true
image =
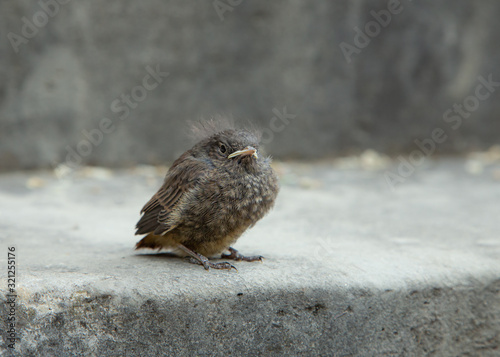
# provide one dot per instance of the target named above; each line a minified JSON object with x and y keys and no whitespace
{"x":113,"y":83}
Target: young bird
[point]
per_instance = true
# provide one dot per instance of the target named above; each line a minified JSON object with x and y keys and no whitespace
{"x":211,"y":194}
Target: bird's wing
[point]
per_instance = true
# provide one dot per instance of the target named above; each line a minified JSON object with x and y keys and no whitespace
{"x":183,"y":176}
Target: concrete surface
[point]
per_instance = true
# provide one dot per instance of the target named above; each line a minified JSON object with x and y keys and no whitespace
{"x":352,"y":268}
{"x":78,"y":69}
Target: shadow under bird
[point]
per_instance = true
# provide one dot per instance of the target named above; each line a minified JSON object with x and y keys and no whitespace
{"x":211,"y":195}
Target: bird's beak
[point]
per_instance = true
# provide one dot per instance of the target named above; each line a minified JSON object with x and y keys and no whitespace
{"x":245,"y":152}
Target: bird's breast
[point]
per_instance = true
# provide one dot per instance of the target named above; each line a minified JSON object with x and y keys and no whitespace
{"x":225,"y":207}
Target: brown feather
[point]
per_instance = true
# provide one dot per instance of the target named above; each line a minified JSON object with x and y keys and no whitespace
{"x":182,"y":176}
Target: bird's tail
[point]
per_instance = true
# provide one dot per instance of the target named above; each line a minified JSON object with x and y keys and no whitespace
{"x":152,"y":241}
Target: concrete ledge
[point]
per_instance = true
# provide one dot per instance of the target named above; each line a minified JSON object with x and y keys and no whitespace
{"x":352,"y":268}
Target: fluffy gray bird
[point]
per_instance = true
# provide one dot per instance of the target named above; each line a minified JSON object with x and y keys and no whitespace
{"x":211,"y":195}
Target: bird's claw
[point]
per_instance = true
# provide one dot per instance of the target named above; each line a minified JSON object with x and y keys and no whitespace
{"x":235,"y":255}
{"x":207,"y":264}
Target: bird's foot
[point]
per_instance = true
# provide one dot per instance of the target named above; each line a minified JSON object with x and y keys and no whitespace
{"x":197,"y":258}
{"x":207,"y":264}
{"x":235,"y":255}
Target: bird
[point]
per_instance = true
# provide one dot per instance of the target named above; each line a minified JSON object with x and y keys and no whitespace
{"x":210,"y":196}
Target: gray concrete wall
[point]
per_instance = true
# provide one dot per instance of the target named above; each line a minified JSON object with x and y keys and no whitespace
{"x":71,"y":68}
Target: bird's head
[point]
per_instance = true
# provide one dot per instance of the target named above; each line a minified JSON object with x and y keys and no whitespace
{"x":237,"y":149}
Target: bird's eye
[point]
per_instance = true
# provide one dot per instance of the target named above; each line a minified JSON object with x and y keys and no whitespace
{"x":222,"y":148}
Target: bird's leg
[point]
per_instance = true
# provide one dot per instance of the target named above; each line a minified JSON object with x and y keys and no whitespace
{"x":235,"y":255}
{"x":197,"y":258}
